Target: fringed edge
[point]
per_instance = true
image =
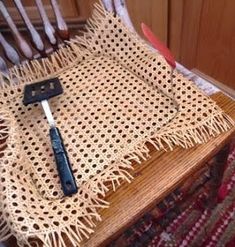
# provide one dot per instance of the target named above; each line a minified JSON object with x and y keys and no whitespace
{"x":76,"y":232}
{"x":93,"y":25}
{"x":99,"y":19}
{"x":44,"y":68}
{"x":188,"y":137}
{"x":5,"y":131}
{"x":112,"y":177}
{"x":185,"y":138}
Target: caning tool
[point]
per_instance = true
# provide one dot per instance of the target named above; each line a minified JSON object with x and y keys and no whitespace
{"x":41,"y":92}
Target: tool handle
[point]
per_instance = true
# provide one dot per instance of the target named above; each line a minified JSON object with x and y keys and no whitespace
{"x":62,"y":161}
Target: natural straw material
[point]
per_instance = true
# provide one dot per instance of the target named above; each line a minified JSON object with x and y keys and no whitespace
{"x":118,"y":95}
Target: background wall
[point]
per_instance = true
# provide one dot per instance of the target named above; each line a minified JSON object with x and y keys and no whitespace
{"x":200,"y":33}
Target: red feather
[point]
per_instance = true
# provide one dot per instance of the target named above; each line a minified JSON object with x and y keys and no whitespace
{"x":158,"y":45}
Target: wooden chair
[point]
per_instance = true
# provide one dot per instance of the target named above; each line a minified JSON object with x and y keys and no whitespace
{"x":179,"y":164}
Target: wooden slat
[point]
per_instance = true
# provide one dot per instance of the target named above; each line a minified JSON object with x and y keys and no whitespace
{"x":62,"y":28}
{"x":175,"y":24}
{"x":36,"y":39}
{"x":48,"y":28}
{"x":216,"y":42}
{"x":154,"y":13}
{"x":190,"y":31}
{"x":3,"y":67}
{"x":154,"y":179}
{"x":85,"y":7}
{"x":9,"y":51}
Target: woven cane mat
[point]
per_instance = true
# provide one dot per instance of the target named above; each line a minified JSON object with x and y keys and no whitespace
{"x":118,"y":95}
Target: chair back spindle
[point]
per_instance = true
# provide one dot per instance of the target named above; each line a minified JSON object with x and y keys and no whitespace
{"x":48,"y":28}
{"x":62,"y":28}
{"x":34,"y":35}
{"x":9,"y":51}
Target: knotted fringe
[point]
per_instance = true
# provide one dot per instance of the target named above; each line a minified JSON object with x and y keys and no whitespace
{"x":119,"y":171}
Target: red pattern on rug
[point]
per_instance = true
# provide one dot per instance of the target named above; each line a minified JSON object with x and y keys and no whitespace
{"x":199,"y":213}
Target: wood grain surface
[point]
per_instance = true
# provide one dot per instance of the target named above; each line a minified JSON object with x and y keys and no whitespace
{"x":154,"y":13}
{"x":201,"y":35}
{"x":216,"y":41}
{"x":175,"y":27}
{"x":154,"y":179}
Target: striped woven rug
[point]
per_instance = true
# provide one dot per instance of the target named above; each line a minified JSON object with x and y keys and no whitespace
{"x":199,"y":213}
